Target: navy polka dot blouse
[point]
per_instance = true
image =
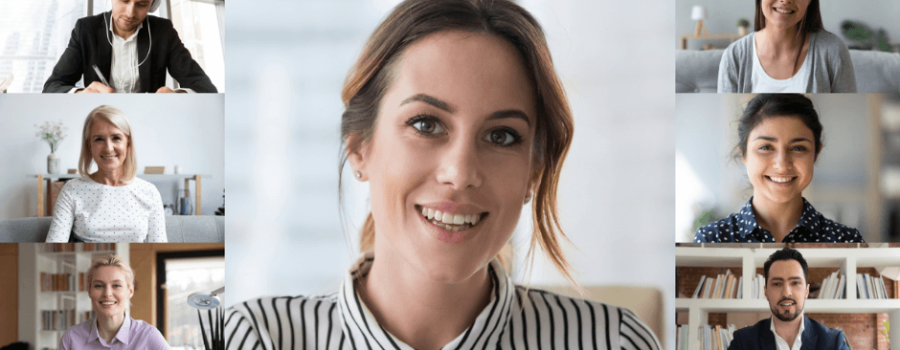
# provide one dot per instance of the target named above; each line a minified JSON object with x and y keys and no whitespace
{"x":741,"y":227}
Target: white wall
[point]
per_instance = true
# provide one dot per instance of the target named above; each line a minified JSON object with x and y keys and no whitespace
{"x":167,"y":130}
{"x":723,"y":16}
{"x":284,"y":108}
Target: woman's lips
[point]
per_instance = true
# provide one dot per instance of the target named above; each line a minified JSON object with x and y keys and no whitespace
{"x":451,"y":228}
{"x":781,"y":180}
{"x":783,"y":11}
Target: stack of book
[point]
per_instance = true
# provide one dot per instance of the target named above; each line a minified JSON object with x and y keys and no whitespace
{"x":57,"y":320}
{"x":92,"y":247}
{"x":57,"y":282}
{"x":716,"y":338}
{"x":870,"y":287}
{"x":833,"y":287}
{"x":723,"y":286}
{"x":681,"y":337}
{"x":59,"y":247}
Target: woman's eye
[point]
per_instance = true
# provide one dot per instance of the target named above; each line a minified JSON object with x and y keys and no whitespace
{"x":502,"y":137}
{"x":800,"y":148}
{"x":765,"y":148}
{"x":426,"y":125}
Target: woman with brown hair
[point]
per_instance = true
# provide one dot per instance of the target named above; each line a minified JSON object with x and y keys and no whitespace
{"x":790,"y":51}
{"x":456,"y":118}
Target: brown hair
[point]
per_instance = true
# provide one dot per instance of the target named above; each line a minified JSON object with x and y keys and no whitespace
{"x":810,"y":23}
{"x":411,"y":20}
{"x":118,"y":119}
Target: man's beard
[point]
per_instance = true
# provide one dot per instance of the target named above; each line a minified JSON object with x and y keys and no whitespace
{"x":789,"y":316}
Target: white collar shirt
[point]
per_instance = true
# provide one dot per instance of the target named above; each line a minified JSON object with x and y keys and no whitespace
{"x":125,"y":74}
{"x":515,"y":318}
{"x":781,"y":344}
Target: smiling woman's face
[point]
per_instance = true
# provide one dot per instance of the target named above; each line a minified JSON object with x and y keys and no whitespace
{"x":453,"y":137}
{"x":110,"y":291}
{"x":780,"y":158}
{"x":784,"y":14}
{"x":109,"y":146}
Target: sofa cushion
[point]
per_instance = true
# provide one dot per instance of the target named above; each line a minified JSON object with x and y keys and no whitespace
{"x":876,"y":71}
{"x":179,"y":229}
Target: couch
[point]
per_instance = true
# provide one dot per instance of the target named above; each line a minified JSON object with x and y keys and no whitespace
{"x":179,"y":229}
{"x":876,"y":71}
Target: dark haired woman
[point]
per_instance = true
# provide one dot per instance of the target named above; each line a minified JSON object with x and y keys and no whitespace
{"x":456,"y":119}
{"x":789,"y":52}
{"x":780,"y":139}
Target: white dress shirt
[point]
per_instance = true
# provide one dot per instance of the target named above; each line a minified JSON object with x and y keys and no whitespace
{"x":515,"y":318}
{"x":781,"y":344}
{"x":95,"y":212}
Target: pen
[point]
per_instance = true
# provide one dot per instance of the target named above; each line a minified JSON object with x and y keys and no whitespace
{"x":102,"y":78}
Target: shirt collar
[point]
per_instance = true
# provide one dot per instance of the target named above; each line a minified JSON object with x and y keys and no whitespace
{"x":122,"y":335}
{"x":797,"y":341}
{"x":133,"y":35}
{"x":362,"y":327}
{"x":747,"y":220}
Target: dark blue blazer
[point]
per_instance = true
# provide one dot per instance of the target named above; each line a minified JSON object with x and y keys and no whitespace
{"x":815,"y":336}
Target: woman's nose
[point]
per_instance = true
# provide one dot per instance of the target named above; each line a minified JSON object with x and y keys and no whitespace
{"x":783,"y":161}
{"x":459,"y":165}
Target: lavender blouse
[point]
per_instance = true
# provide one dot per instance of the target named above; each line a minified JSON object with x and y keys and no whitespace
{"x":134,"y":334}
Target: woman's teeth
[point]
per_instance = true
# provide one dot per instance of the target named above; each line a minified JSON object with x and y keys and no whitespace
{"x":781,"y":179}
{"x":107,"y":302}
{"x":108,"y":157}
{"x":452,"y":222}
{"x":784,"y":11}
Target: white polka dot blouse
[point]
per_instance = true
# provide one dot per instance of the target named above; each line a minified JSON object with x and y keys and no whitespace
{"x":95,"y":212}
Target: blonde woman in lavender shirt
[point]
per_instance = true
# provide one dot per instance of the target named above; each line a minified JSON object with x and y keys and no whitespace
{"x":111,"y":288}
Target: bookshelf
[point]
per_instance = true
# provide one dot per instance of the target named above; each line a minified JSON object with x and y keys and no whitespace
{"x":747,"y":259}
{"x":42,"y":288}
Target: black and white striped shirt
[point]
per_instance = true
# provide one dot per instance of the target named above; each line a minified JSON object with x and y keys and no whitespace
{"x":515,"y":318}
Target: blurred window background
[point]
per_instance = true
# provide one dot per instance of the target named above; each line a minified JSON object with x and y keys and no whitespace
{"x":185,"y":276}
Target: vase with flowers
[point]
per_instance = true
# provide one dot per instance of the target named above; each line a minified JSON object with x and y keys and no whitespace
{"x":53,"y":134}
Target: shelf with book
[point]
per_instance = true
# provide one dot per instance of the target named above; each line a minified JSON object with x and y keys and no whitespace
{"x":746,"y":260}
{"x":53,"y":288}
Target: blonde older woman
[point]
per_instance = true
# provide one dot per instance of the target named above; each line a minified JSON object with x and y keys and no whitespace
{"x":111,"y":288}
{"x":111,"y":204}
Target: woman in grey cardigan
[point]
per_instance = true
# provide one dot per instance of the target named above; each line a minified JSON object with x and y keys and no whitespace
{"x":789,"y":52}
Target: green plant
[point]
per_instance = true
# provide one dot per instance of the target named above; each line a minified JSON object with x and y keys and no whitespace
{"x":52,"y":133}
{"x":887,"y":330}
{"x":865,"y":37}
{"x":743,"y":22}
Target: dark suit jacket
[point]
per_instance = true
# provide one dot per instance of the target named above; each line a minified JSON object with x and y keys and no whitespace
{"x":89,"y":45}
{"x":815,"y":336}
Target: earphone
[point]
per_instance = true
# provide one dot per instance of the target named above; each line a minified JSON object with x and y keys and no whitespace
{"x":153,"y":6}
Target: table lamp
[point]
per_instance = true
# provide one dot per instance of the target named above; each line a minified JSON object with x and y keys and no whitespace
{"x":209,"y":302}
{"x":698,"y":13}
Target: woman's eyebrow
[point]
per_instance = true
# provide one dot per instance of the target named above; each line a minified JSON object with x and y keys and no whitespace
{"x":434,"y":101}
{"x":510,"y":113}
{"x":772,"y":139}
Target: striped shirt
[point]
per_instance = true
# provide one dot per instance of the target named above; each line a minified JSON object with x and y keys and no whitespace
{"x":515,"y":318}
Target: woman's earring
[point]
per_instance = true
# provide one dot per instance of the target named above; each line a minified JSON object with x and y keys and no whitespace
{"x":357,"y":174}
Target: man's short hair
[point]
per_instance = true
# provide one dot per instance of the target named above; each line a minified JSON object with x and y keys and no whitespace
{"x":787,"y":254}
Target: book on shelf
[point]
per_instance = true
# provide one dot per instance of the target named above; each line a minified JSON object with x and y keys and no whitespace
{"x":57,"y":282}
{"x":870,"y":287}
{"x":833,"y":287}
{"x":59,"y":247}
{"x":681,"y":337}
{"x":92,"y":247}
{"x":723,"y":286}
{"x":714,"y":337}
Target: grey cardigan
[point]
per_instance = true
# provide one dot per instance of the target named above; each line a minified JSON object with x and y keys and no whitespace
{"x":831,"y":70}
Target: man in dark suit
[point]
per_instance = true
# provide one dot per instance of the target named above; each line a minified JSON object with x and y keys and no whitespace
{"x":132,"y":51}
{"x":787,"y":286}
